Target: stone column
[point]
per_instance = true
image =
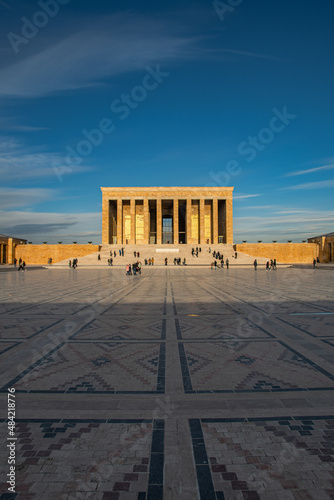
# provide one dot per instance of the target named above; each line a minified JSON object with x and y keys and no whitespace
{"x":229,"y":221}
{"x":133,"y":221}
{"x":146,"y":222}
{"x":119,"y":221}
{"x":214,"y":235}
{"x":189,"y":239}
{"x":10,"y":257}
{"x":176,"y":221}
{"x":201,"y":222}
{"x":159,"y":221}
{"x":105,"y":220}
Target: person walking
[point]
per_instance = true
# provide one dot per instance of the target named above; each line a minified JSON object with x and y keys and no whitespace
{"x":318,"y":262}
{"x":267,"y":266}
{"x":227,"y":263}
{"x":15,"y":262}
{"x":69,"y":264}
{"x":314,"y":263}
{"x":255,"y":264}
{"x":166,"y":261}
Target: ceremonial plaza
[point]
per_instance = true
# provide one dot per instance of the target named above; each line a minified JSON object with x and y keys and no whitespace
{"x":179,"y":383}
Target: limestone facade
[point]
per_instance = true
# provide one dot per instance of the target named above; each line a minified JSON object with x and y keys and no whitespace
{"x":286,"y":253}
{"x":7,"y":248}
{"x":40,"y":254}
{"x":167,"y":215}
{"x":326,"y":246}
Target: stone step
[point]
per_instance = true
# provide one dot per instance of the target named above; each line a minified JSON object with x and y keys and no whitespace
{"x":160,"y":252}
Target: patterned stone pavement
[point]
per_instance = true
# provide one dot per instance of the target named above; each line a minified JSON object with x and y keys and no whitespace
{"x":179,"y":383}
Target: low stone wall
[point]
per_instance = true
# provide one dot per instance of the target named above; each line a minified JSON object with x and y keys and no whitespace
{"x":40,"y":254}
{"x":286,"y":253}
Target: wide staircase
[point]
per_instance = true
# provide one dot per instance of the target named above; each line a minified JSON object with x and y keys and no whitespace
{"x":160,"y":252}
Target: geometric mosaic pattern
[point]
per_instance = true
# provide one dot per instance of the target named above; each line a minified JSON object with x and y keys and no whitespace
{"x":131,"y":466}
{"x":315,"y":326}
{"x":123,"y":328}
{"x":223,"y":327}
{"x":96,"y":367}
{"x":172,"y":384}
{"x":259,"y":458}
{"x":248,"y":366}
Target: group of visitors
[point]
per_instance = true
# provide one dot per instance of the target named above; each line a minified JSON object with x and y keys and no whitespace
{"x":215,"y":263}
{"x":316,"y":263}
{"x":136,"y":254}
{"x":271,"y":265}
{"x":73,"y":264}
{"x":149,"y":262}
{"x":22,"y":264}
{"x":133,"y":269}
{"x":195,"y":251}
{"x":177,"y":261}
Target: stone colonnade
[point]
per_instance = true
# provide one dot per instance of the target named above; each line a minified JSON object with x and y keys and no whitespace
{"x":167,"y":215}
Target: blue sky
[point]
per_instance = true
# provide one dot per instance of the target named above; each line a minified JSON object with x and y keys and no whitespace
{"x":174,"y":93}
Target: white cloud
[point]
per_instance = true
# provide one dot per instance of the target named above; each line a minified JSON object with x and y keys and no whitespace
{"x":52,"y":227}
{"x":291,"y":224}
{"x":311,"y":185}
{"x":310,"y":170}
{"x":15,"y":198}
{"x":18,"y":163}
{"x":114,"y":46}
{"x":243,"y":196}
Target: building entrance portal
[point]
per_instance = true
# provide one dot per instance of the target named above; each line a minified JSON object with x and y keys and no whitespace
{"x":167,"y":215}
{"x":167,"y":229}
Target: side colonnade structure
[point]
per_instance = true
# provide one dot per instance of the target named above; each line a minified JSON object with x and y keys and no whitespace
{"x":167,"y":215}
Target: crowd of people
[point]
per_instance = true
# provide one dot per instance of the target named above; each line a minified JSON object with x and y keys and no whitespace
{"x":134,"y":269}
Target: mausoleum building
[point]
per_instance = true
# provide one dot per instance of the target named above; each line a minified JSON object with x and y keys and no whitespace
{"x":167,"y":215}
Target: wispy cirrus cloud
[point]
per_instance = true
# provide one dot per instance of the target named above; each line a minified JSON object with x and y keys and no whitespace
{"x":245,"y":53}
{"x":51,"y":227}
{"x":244,"y":196}
{"x":19,"y":163}
{"x":283,"y":225}
{"x":310,"y":170}
{"x":15,"y":198}
{"x":116,"y":45}
{"x":311,"y":185}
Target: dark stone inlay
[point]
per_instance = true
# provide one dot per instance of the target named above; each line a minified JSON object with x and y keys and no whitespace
{"x":156,"y":475}
{"x":204,"y":478}
{"x":187,"y":385}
